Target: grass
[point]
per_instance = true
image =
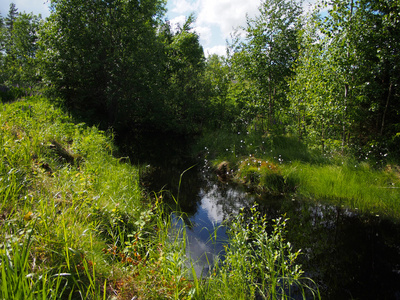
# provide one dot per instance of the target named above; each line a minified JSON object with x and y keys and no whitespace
{"x":283,"y":164}
{"x":357,"y":186}
{"x":75,"y":224}
{"x":65,"y":201}
{"x":259,"y":263}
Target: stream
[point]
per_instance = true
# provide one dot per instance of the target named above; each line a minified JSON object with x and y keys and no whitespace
{"x":349,"y":255}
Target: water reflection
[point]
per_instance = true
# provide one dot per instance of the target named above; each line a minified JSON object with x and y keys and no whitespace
{"x":206,"y":235}
{"x":350,"y":256}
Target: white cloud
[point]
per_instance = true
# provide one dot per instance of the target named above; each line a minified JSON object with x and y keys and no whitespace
{"x":178,"y":21}
{"x":217,"y":19}
{"x":205,"y":34}
{"x":210,"y":206}
{"x":226,"y":14}
{"x":183,"y":6}
{"x":220,"y":50}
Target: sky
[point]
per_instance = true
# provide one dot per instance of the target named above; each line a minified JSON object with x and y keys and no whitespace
{"x":215,"y":19}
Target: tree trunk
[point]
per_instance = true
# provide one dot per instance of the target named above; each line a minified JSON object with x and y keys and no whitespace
{"x":386,"y":108}
{"x":346,"y":93}
{"x":270,"y":102}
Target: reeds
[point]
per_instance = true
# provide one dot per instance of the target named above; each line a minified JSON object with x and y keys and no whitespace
{"x":258,"y":263}
{"x":355,"y":186}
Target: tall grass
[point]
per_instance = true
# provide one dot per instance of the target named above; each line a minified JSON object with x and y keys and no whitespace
{"x":60,"y":181}
{"x":258,"y":264}
{"x":283,"y":164}
{"x":356,"y":186}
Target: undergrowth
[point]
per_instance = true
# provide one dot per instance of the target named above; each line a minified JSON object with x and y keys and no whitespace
{"x":259,"y":263}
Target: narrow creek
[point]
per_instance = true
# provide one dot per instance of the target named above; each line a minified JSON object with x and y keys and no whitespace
{"x":349,"y":255}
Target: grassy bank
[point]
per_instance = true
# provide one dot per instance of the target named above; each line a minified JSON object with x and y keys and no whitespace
{"x":68,"y":207}
{"x":283,"y":164}
{"x":74,"y":221}
{"x":75,"y":224}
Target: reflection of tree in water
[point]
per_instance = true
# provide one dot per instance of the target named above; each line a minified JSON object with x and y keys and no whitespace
{"x":349,"y":255}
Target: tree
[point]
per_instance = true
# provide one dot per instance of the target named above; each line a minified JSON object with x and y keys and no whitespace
{"x":347,"y":71}
{"x":9,"y":25}
{"x":315,"y":91}
{"x":20,"y":61}
{"x":2,"y":47}
{"x":266,"y":57}
{"x":11,"y":17}
{"x":184,"y":74}
{"x":19,"y":46}
{"x":103,"y":58}
{"x":218,"y":79}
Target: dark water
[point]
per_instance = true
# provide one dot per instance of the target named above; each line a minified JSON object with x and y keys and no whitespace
{"x":349,"y":255}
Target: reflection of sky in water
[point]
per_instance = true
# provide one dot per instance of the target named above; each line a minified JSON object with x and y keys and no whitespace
{"x":214,"y":207}
{"x":209,"y":207}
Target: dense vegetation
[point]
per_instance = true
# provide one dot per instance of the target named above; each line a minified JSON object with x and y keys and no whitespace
{"x":302,"y":96}
{"x":329,"y":77}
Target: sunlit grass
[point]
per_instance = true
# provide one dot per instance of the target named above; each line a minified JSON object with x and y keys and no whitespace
{"x":356,"y":186}
{"x":64,"y":201}
{"x":283,"y":164}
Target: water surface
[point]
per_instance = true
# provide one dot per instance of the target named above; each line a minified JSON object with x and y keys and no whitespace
{"x":350,"y":255}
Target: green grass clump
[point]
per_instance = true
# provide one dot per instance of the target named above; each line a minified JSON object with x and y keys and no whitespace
{"x":263,"y":176}
{"x":283,"y":164}
{"x":258,"y":264}
{"x":356,"y":186}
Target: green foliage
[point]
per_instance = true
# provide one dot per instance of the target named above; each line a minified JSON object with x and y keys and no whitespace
{"x":223,"y":109}
{"x":116,"y":64}
{"x":345,"y":83}
{"x":19,"y":68}
{"x":265,"y":59}
{"x":185,"y":103}
{"x":103,"y":58}
{"x":258,"y":263}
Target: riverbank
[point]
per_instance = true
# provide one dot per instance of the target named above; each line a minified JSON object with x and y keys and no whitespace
{"x":70,"y":210}
{"x":284,"y":165}
{"x":75,"y":223}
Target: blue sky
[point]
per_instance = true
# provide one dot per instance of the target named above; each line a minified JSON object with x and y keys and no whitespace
{"x":215,"y":19}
